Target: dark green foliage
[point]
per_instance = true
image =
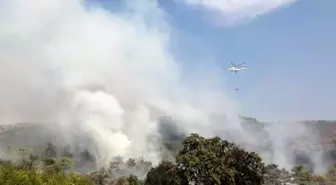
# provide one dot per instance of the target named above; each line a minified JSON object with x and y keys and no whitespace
{"x":213,"y":161}
{"x":297,"y":175}
{"x":302,"y":175}
{"x":249,"y":167}
{"x":133,"y":180}
{"x":163,"y":174}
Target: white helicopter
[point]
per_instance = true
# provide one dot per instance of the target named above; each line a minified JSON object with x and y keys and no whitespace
{"x":237,"y":68}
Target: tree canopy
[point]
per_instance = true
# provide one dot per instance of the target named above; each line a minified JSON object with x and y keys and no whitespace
{"x":214,"y":161}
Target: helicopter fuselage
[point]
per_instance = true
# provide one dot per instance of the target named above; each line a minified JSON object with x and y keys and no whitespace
{"x":237,"y":69}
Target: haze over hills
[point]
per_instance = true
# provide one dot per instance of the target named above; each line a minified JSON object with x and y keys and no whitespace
{"x":314,"y":146}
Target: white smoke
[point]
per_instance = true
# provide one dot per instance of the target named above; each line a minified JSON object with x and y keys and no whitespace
{"x":100,"y":75}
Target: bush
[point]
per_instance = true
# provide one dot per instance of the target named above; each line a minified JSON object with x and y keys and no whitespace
{"x":11,"y":175}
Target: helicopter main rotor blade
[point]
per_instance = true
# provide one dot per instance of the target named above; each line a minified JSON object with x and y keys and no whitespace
{"x":241,"y":64}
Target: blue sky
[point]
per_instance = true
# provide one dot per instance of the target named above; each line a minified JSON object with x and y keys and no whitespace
{"x":290,"y":51}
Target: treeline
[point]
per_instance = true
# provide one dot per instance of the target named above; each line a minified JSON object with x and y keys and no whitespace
{"x":200,"y":161}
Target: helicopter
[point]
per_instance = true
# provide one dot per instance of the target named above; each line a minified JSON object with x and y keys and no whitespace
{"x":237,"y":68}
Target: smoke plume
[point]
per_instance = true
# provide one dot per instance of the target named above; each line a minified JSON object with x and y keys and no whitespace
{"x":100,"y":75}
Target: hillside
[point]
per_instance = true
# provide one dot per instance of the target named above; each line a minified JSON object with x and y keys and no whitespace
{"x":324,"y":129}
{"x":323,"y":133}
{"x":302,"y":149}
{"x":200,"y":161}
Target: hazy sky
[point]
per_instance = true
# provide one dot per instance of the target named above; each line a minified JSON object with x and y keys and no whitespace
{"x":289,"y":46}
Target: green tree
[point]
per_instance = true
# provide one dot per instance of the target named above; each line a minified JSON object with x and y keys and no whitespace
{"x":214,"y":161}
{"x":133,"y":180}
{"x":163,"y":174}
{"x":248,"y":166}
{"x":58,"y":164}
{"x":301,"y":175}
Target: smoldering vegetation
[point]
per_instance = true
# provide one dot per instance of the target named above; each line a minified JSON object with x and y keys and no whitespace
{"x":44,"y":140}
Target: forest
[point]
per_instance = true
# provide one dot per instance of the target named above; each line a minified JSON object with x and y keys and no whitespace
{"x":198,"y":160}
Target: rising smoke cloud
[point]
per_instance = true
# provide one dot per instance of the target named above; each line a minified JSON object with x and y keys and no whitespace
{"x":104,"y":78}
